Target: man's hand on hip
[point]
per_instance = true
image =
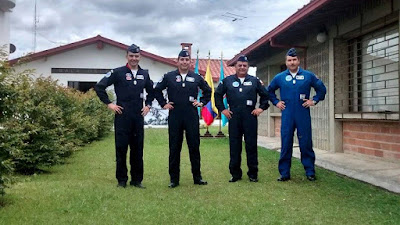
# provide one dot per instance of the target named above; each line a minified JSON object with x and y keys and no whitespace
{"x":307,"y":103}
{"x":227,"y":113}
{"x":257,"y":112}
{"x":115,"y":108}
{"x":169,"y":106}
{"x":145,"y":110}
{"x":197,"y":104}
{"x":281,"y":105}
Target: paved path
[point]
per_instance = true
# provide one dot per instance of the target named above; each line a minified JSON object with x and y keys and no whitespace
{"x":378,"y":172}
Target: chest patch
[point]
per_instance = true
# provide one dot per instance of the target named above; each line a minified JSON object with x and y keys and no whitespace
{"x":128,"y":76}
{"x":247,"y":83}
{"x":299,"y":77}
{"x":140,"y":77}
{"x":288,"y":78}
{"x":178,"y":78}
{"x":235,"y":84}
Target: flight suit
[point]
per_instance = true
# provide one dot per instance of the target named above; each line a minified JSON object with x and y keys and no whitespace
{"x":128,"y":125}
{"x":184,"y":117}
{"x":242,"y":99}
{"x":295,"y":116}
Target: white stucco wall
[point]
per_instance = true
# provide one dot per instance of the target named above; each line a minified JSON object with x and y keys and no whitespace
{"x":90,"y":57}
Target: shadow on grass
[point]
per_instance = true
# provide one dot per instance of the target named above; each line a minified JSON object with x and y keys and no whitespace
{"x":4,"y":201}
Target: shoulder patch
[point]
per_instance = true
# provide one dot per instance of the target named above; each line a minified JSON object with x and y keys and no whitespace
{"x":109,"y":73}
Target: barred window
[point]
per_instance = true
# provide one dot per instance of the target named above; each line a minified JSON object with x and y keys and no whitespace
{"x":374,"y":72}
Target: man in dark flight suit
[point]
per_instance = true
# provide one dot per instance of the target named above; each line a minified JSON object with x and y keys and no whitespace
{"x":182,"y":87}
{"x":129,"y":82}
{"x":241,"y":91}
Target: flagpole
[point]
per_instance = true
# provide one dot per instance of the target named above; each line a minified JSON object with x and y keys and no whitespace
{"x":207,"y":134}
{"x":220,"y":133}
{"x":196,"y":68}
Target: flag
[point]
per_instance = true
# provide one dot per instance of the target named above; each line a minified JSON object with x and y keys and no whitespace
{"x":196,"y":70}
{"x":224,"y":120}
{"x":209,"y":111}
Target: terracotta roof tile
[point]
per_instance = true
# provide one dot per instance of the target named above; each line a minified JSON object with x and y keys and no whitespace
{"x":214,"y":67}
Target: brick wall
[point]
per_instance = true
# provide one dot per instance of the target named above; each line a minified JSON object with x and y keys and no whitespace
{"x":378,"y":139}
{"x":277,"y":126}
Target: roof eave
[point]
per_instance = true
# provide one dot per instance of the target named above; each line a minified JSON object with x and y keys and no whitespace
{"x":297,"y":16}
{"x":85,"y":42}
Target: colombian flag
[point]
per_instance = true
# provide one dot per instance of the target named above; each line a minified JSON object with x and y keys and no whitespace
{"x":209,"y":111}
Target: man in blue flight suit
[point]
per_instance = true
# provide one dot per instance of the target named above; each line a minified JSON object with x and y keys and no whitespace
{"x":295,"y":85}
{"x":129,"y":82}
{"x":241,"y":91}
{"x":182,"y":88}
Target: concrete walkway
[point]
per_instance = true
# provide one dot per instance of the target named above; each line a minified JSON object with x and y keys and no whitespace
{"x":377,"y":172}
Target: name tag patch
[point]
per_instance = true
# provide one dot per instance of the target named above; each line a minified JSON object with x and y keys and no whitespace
{"x":139,"y":77}
{"x":247,"y":83}
{"x":299,"y":77}
{"x":190,"y":79}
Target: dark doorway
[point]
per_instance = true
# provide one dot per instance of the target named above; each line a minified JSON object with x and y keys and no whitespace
{"x":82,"y":86}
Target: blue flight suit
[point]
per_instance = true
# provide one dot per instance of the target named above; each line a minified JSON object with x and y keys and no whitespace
{"x":295,"y":116}
{"x":242,"y":99}
{"x":128,"y":125}
{"x":184,"y":117}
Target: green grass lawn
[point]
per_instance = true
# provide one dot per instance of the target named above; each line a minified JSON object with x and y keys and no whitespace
{"x":83,"y":191}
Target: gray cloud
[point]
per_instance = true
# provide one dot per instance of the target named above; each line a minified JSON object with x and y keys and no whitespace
{"x":158,"y":26}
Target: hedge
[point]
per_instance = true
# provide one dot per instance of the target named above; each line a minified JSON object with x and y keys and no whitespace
{"x":42,"y":123}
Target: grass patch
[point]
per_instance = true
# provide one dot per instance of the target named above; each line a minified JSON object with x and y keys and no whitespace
{"x":83,"y":191}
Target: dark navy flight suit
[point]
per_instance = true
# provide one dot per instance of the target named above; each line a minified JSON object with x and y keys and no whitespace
{"x":184,"y":116}
{"x":242,"y":99}
{"x":129,"y":124}
{"x":295,"y":116}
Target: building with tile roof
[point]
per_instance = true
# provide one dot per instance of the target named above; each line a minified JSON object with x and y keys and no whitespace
{"x":353,"y":47}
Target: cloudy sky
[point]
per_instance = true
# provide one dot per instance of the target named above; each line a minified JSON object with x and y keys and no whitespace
{"x":157,"y":26}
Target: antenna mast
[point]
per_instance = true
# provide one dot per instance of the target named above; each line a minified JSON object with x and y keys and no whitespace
{"x":35,"y":23}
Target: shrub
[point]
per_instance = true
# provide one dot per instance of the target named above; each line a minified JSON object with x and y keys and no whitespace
{"x":5,"y":110}
{"x":41,"y":122}
{"x":35,"y":132}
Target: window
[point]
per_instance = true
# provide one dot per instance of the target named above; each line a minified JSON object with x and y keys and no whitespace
{"x":373,"y":72}
{"x":81,"y":86}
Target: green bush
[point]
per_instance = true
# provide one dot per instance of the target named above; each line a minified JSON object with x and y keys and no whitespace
{"x":45,"y":122}
{"x":36,"y":129}
{"x":5,"y":92}
{"x":5,"y":110}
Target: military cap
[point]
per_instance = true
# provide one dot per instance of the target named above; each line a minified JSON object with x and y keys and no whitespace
{"x":292,"y":52}
{"x":133,"y":48}
{"x":242,"y":58}
{"x":184,"y":53}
